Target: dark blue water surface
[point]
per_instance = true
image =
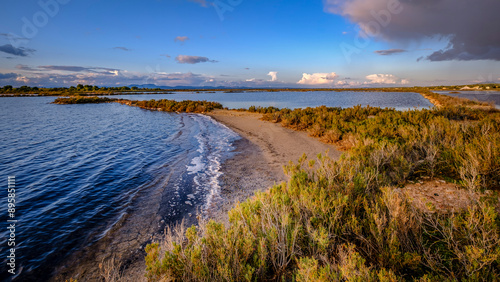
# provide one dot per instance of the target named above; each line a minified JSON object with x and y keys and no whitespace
{"x":293,"y":100}
{"x":78,"y":168}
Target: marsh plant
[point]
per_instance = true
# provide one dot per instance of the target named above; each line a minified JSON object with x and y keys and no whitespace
{"x":350,"y":219}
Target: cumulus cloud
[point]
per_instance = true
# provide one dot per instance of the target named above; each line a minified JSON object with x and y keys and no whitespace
{"x":184,"y":59}
{"x":21,"y":52}
{"x":318,"y":78}
{"x":347,"y":82}
{"x":468,"y":25}
{"x":273,"y":75}
{"x":122,"y":48}
{"x":181,"y":38}
{"x":389,"y":52}
{"x":385,"y":79}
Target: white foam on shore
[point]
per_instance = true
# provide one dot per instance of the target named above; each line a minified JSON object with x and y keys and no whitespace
{"x":197,"y":165}
{"x":215,"y":141}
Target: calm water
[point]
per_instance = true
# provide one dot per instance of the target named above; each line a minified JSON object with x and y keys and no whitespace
{"x":483,"y":96}
{"x":293,"y":100}
{"x":79,"y":168}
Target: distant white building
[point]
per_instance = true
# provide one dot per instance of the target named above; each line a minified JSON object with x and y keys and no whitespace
{"x":470,"y":88}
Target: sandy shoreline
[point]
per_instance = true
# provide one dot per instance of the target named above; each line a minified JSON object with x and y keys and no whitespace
{"x":261,"y":153}
{"x":279,"y":145}
{"x":263,"y":150}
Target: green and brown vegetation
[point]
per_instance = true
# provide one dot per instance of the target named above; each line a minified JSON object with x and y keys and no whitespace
{"x":350,"y":219}
{"x":83,"y":100}
{"x":186,"y":106}
{"x":440,"y":100}
{"x":165,"y":105}
{"x":79,"y":90}
{"x":86,"y":90}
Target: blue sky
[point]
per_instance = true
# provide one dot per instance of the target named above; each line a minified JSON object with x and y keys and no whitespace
{"x":330,"y":43}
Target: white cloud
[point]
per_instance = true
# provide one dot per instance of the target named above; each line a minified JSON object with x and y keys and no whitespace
{"x":273,"y":75}
{"x":385,"y":79}
{"x":347,"y":83}
{"x":181,"y":38}
{"x":318,"y":78}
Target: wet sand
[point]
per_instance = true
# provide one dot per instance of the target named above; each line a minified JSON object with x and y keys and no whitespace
{"x":258,"y":164}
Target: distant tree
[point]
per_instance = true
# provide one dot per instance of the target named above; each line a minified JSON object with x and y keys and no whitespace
{"x":24,"y":89}
{"x":7,"y":88}
{"x":79,"y":87}
{"x":135,"y":88}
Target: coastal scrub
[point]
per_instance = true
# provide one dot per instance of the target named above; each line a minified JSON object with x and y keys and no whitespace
{"x":351,"y":219}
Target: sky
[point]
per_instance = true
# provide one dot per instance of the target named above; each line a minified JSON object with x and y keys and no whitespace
{"x":249,"y":43}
